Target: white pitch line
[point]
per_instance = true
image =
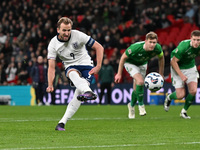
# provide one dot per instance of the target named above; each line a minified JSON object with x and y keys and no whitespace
{"x":102,"y":146}
{"x":74,"y":119}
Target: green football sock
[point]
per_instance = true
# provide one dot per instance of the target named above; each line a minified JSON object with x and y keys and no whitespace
{"x":173,"y":96}
{"x":140,"y":94}
{"x":188,"y":101}
{"x":133,"y":98}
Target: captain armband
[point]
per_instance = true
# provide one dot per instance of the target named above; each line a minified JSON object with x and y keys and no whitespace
{"x":160,"y":55}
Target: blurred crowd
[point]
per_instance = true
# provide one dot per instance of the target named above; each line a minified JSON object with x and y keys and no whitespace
{"x":26,"y":27}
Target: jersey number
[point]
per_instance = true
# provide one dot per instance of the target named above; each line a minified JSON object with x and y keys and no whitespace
{"x":72,"y":55}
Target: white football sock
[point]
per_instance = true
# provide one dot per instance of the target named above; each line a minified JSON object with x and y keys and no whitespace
{"x":72,"y":108}
{"x":183,"y":110}
{"x":80,"y":83}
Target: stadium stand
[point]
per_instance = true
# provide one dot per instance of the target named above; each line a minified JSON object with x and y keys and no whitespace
{"x":22,"y":31}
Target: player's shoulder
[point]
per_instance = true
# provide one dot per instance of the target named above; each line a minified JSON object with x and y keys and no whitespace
{"x":158,"y":46}
{"x":54,"y":40}
{"x":185,"y":42}
{"x":135,"y":47}
{"x":76,"y":34}
{"x":138,"y":44}
{"x":183,"y":45}
{"x":74,"y":31}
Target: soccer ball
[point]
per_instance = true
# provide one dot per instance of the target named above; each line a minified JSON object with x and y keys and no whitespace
{"x":154,"y":81}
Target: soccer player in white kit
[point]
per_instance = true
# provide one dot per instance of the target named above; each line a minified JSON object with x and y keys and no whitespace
{"x":70,"y":46}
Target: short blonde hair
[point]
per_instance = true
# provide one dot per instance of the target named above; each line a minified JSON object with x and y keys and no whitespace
{"x":195,"y":33}
{"x":64,"y":20}
{"x":151,"y":35}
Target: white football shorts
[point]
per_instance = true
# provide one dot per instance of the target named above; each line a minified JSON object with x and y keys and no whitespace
{"x":133,"y":69}
{"x":192,"y":75}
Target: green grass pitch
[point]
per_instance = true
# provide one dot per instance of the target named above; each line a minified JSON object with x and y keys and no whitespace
{"x":98,"y":127}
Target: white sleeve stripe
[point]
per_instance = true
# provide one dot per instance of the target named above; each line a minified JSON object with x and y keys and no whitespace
{"x":51,"y":58}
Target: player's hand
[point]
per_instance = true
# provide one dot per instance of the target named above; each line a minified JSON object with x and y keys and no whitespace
{"x":118,"y":78}
{"x":94,"y":70}
{"x":184,"y":78}
{"x":50,"y":89}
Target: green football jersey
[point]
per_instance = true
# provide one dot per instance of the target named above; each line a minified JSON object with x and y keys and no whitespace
{"x":138,"y":56}
{"x":186,"y":54}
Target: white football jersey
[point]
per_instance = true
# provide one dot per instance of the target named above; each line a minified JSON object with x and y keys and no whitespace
{"x":72,"y":52}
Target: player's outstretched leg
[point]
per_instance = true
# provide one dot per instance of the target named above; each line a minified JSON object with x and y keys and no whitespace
{"x":72,"y":108}
{"x":83,"y":86}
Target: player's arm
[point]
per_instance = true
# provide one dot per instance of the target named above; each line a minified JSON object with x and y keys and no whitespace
{"x":118,"y":76}
{"x":174,"y":64}
{"x":51,"y":74}
{"x":161,"y":63}
{"x":99,"y":54}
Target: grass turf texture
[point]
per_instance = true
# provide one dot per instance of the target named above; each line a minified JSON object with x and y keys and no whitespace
{"x":98,"y":127}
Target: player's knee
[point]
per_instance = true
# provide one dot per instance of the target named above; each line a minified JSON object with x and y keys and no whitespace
{"x":140,"y":82}
{"x":180,"y":95}
{"x":193,"y":92}
{"x":72,"y":72}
